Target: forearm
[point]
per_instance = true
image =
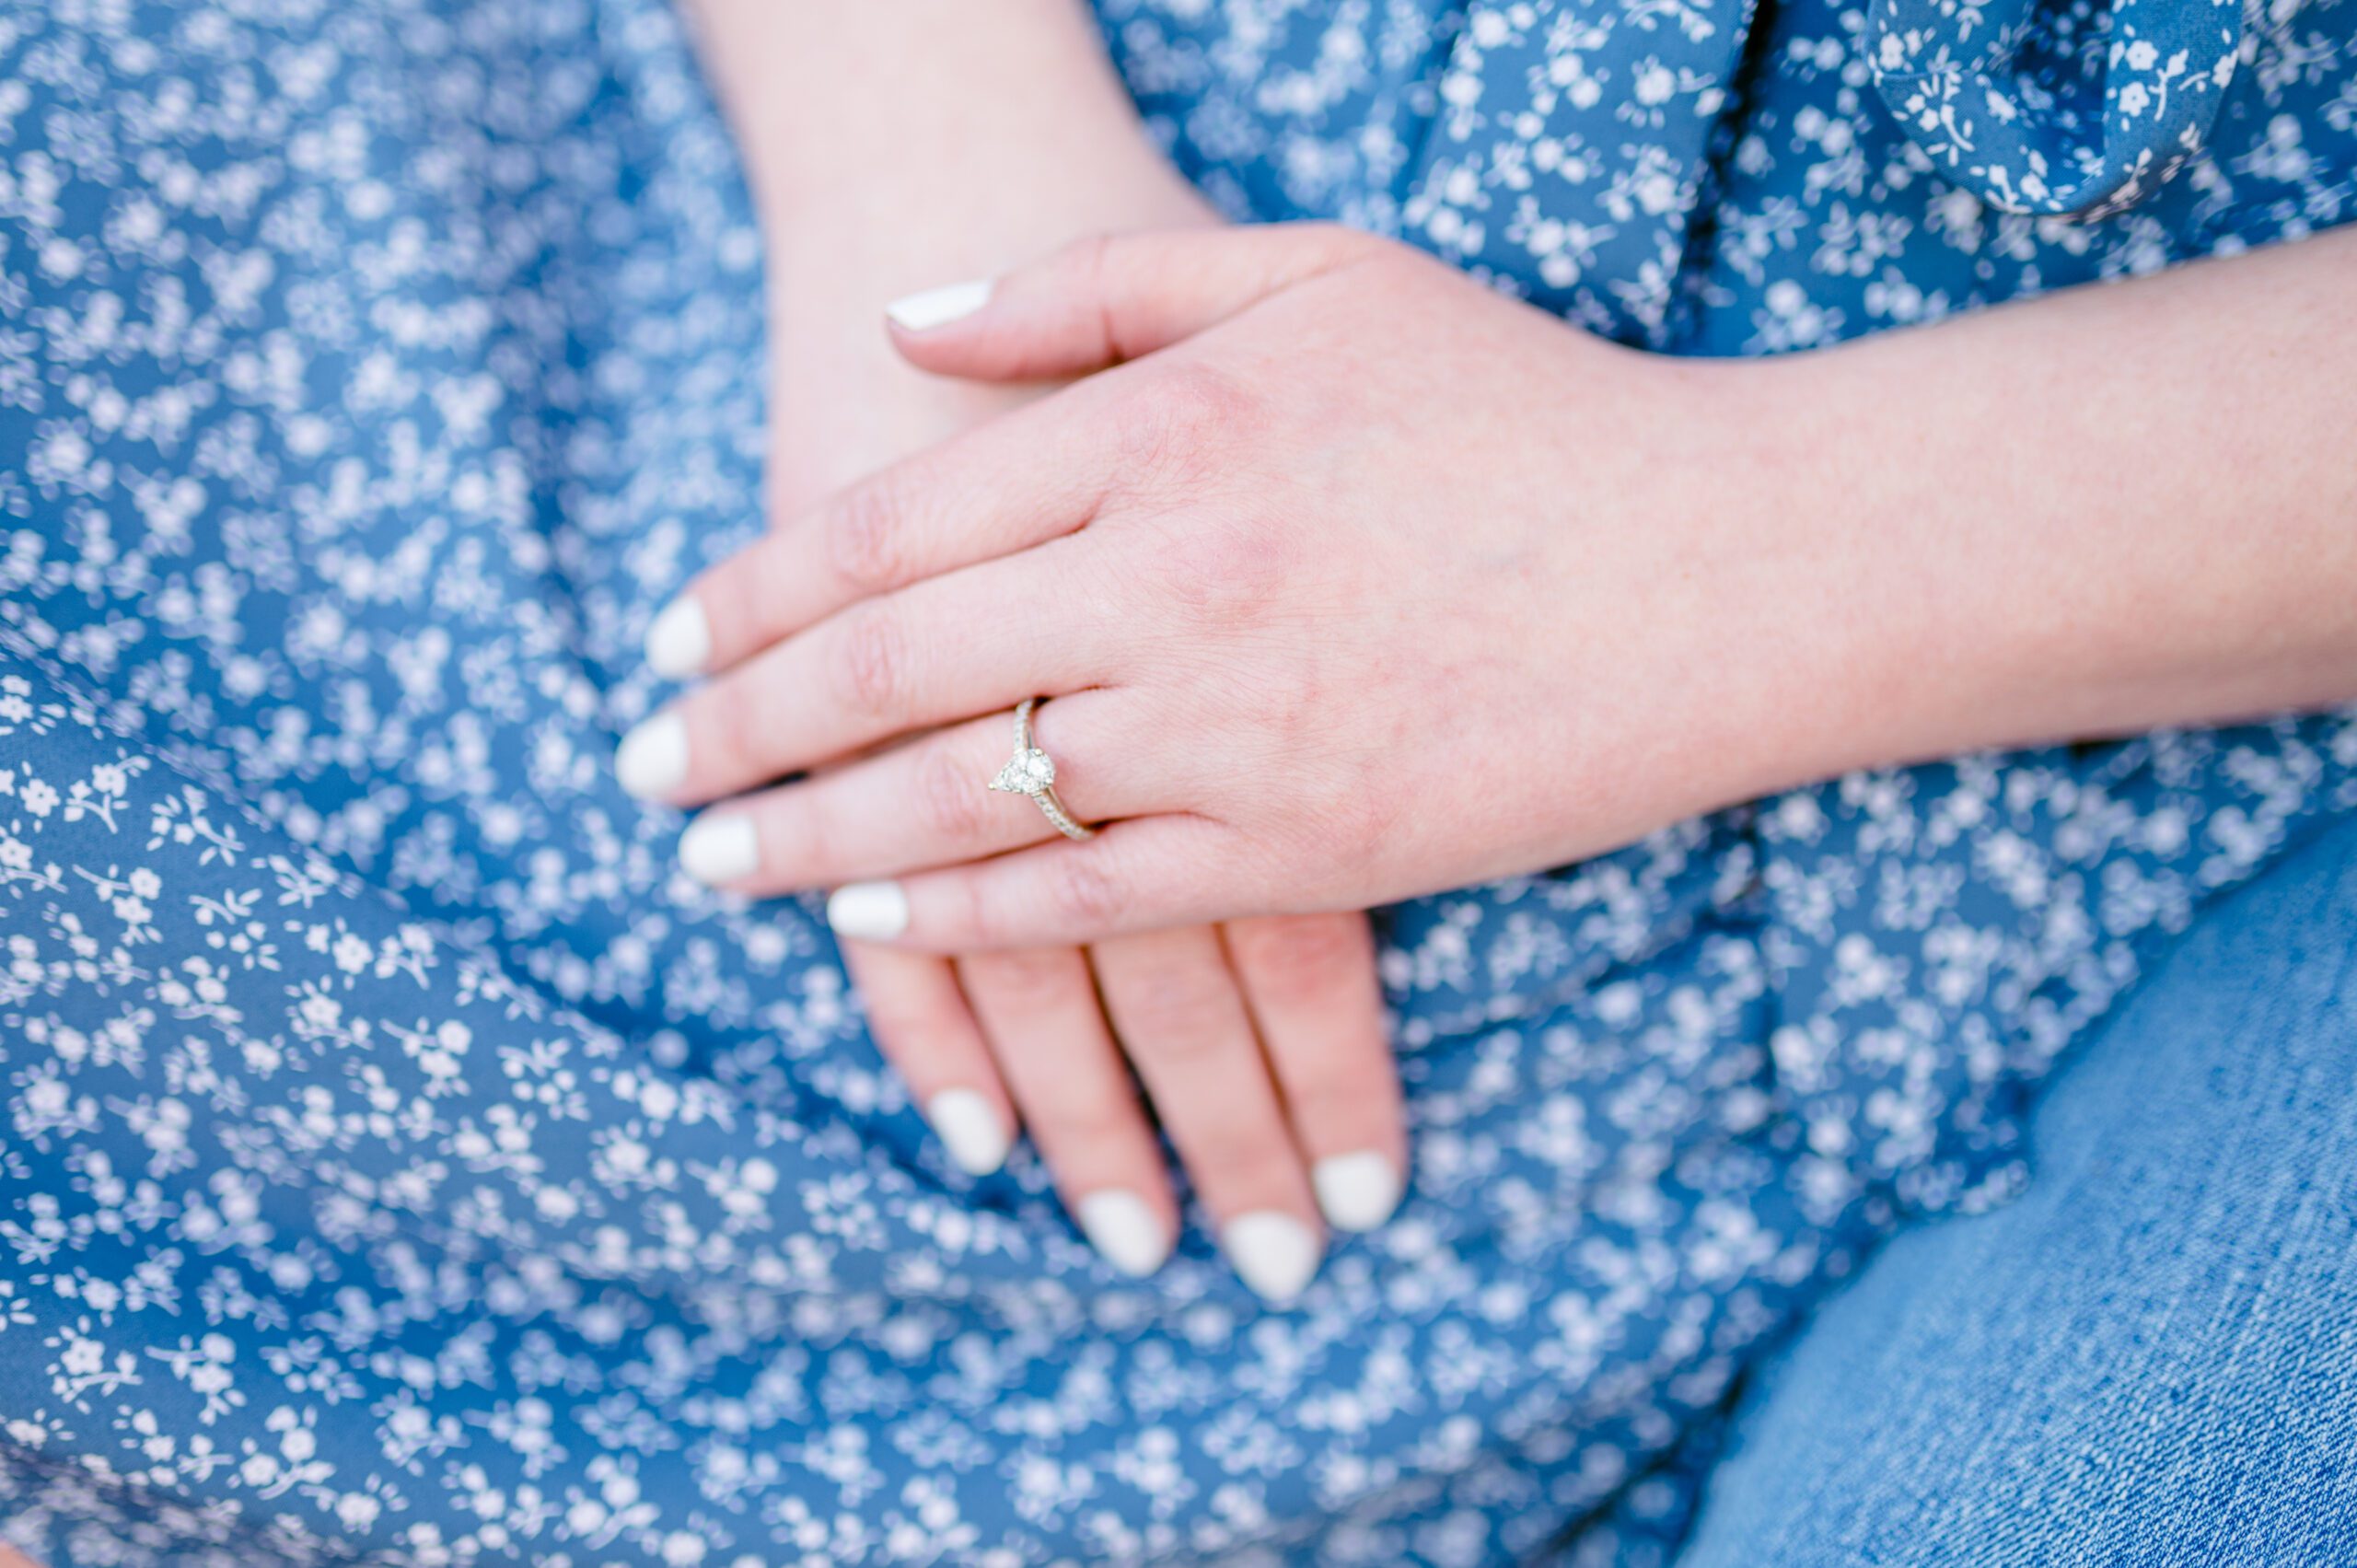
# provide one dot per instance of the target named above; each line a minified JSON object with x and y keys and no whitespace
{"x":897,"y":145}
{"x":2110,"y":510}
{"x":939,"y":138}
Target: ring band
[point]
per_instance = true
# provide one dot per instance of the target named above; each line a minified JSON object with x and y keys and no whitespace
{"x":1033,"y":773}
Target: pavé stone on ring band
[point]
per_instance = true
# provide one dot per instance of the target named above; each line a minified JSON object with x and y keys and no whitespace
{"x":1033,"y":773}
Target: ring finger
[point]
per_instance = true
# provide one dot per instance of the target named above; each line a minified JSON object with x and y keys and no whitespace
{"x":927,"y":802}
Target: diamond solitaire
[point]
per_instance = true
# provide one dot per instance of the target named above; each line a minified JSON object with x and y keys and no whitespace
{"x":1033,"y":773}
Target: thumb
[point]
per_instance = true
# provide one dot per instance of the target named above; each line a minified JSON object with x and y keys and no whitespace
{"x":1110,"y":297}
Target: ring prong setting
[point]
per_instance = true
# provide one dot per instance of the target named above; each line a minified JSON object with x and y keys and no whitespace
{"x":1028,"y":772}
{"x":1031,"y":772}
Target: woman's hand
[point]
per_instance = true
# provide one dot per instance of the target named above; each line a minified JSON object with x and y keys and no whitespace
{"x":1261,"y":1044}
{"x":1359,"y":581}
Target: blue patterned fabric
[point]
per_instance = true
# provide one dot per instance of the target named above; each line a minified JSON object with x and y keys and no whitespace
{"x":401,"y":1161}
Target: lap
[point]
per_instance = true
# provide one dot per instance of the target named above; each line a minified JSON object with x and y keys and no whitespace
{"x":385,"y":1113}
{"x":2152,"y":1357}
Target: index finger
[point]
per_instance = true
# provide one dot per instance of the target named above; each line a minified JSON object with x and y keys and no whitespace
{"x":1031,"y":474}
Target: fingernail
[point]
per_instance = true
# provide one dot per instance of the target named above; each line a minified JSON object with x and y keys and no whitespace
{"x":874,"y":912}
{"x":969,"y":1129}
{"x":1274,"y":1253}
{"x":653,"y":758}
{"x":1120,"y":1227}
{"x":678,"y":642}
{"x":938,"y":307}
{"x":1357,"y":1191}
{"x":720,"y":846}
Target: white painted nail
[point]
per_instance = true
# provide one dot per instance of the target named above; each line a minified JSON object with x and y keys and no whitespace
{"x":938,"y":307}
{"x":653,"y":758}
{"x":1357,"y":1191}
{"x":1119,"y":1226}
{"x":969,"y":1129}
{"x":678,"y":642}
{"x":1274,"y":1253}
{"x":874,"y":912}
{"x":720,"y":847}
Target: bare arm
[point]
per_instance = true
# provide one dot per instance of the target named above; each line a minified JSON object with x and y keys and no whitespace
{"x":2089,"y":515}
{"x":896,"y":145}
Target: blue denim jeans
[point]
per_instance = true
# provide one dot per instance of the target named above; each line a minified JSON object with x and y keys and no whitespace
{"x":2152,"y":1357}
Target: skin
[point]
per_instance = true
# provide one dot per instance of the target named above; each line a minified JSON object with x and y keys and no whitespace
{"x":1336,"y":613}
{"x":1261,"y":1043}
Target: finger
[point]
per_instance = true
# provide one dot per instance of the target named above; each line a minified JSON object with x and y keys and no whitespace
{"x":1311,"y":981}
{"x":1176,"y":1007}
{"x":1014,"y":482}
{"x":1112,"y":297}
{"x":922,"y":1026}
{"x":949,"y":648}
{"x":1047,"y":1030}
{"x":1139,"y":875}
{"x":928,"y":802}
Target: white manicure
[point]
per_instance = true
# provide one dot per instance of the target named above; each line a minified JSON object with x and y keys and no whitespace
{"x":1357,"y":1191}
{"x":653,"y":758}
{"x":938,"y":307}
{"x":874,"y":911}
{"x":969,"y":1129}
{"x":1120,"y":1227}
{"x":678,"y":642}
{"x":720,"y":847}
{"x":1274,"y":1253}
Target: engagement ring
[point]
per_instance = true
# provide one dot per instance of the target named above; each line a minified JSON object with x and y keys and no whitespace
{"x":1033,"y":773}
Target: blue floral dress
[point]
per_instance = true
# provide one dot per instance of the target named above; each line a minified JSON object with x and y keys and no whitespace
{"x":401,"y":1162}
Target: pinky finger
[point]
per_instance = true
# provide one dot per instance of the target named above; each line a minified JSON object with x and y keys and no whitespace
{"x":923,"y":1027}
{"x":1139,"y":875}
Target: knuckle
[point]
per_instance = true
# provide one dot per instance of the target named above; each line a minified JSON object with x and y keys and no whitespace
{"x":1090,"y":262}
{"x":1084,"y":1125}
{"x":1249,"y":1164}
{"x":870,"y":661}
{"x":1322,"y":1094}
{"x":723,"y":723}
{"x":949,"y":798}
{"x":1082,"y":891}
{"x":863,"y":533}
{"x":980,"y":914}
{"x":1306,"y":957}
{"x":1025,"y":980}
{"x":1225,"y":569}
{"x":801,"y":839}
{"x":1169,"y":1010}
{"x":1177,"y":424}
{"x":899,"y":1018}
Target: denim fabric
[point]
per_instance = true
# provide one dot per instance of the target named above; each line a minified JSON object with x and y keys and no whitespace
{"x":2152,"y":1357}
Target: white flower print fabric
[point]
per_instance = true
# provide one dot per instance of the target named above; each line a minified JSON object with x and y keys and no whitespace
{"x":400,"y":1162}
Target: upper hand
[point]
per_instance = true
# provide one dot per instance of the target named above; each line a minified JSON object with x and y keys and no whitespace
{"x":1355,"y":581}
